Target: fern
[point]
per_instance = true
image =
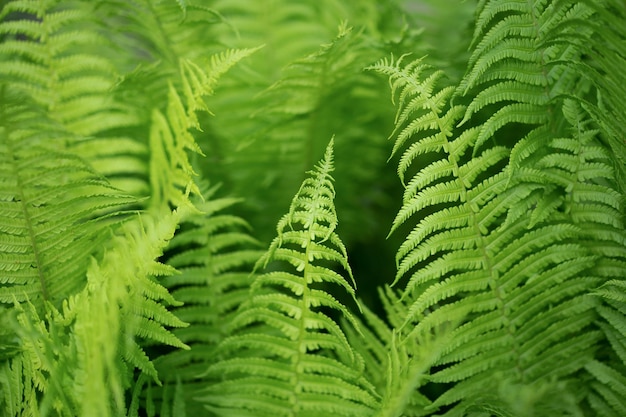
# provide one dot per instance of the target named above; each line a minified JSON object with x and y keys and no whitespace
{"x":130,"y":288}
{"x":293,"y":104}
{"x":65,"y":238}
{"x":497,"y":250}
{"x":50,"y":58}
{"x":45,"y":247}
{"x":286,"y":355}
{"x":214,"y":257}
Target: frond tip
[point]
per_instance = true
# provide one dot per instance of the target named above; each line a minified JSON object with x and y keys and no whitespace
{"x":286,"y":356}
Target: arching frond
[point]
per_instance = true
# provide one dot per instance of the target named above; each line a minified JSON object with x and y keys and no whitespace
{"x":495,"y":253}
{"x":286,"y":354}
{"x":49,"y":54}
{"x":79,"y":358}
{"x":53,"y":212}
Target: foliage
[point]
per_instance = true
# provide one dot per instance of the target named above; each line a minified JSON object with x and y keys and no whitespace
{"x":149,"y":151}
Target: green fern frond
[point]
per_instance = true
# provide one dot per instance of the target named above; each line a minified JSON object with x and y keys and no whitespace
{"x":286,"y":354}
{"x":214,"y":257}
{"x":81,"y":357}
{"x":173,"y":129}
{"x":608,"y":376}
{"x":173,"y":76}
{"x":513,"y":276}
{"x":56,"y":54}
{"x":607,"y":398}
{"x":61,"y":247}
{"x":67,"y":209}
{"x":585,"y":186}
{"x":416,"y":103}
{"x":295,"y":107}
{"x":527,"y":57}
{"x":46,"y":245}
{"x":50,"y":56}
{"x":277,"y":25}
{"x":286,"y":130}
{"x":397,"y":361}
{"x":371,"y":343}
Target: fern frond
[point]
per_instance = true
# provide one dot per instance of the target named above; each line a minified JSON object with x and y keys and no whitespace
{"x":173,"y":129}
{"x":81,"y":356}
{"x":417,"y":103}
{"x":371,"y":342}
{"x":513,"y":277}
{"x":607,"y":399}
{"x":527,"y":57}
{"x":45,"y":244}
{"x":286,"y":354}
{"x":214,"y":257}
{"x":608,"y":376}
{"x":281,"y":143}
{"x":51,"y":58}
{"x":67,"y":207}
{"x":173,"y":76}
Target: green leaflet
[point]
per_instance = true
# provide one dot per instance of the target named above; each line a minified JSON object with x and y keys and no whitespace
{"x":286,"y":356}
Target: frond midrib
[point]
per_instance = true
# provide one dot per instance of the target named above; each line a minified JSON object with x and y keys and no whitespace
{"x":32,"y":235}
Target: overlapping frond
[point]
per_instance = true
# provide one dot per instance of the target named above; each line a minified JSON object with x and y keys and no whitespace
{"x":77,"y":360}
{"x":499,"y":251}
{"x":286,"y":354}
{"x":53,"y":212}
{"x":51,"y":54}
{"x":397,"y":365}
{"x":170,"y":60}
{"x":65,"y":138}
{"x":608,"y":381}
{"x":214,"y":256}
{"x":57,"y":55}
{"x":544,"y":67}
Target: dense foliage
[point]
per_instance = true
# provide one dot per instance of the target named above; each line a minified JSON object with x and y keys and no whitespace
{"x":200,"y":208}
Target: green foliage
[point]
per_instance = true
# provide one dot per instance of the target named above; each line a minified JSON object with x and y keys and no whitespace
{"x":286,"y":355}
{"x":148,"y":150}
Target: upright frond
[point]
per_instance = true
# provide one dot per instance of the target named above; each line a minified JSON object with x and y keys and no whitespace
{"x":286,"y":355}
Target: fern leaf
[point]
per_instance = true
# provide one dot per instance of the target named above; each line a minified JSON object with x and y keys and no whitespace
{"x":214,"y":257}
{"x":45,"y":245}
{"x":474,"y":258}
{"x":286,"y":355}
{"x":88,"y":349}
{"x":52,"y":65}
{"x":608,"y":375}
